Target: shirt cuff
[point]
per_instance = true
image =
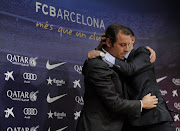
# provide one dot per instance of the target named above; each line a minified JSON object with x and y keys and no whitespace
{"x":141,"y":105}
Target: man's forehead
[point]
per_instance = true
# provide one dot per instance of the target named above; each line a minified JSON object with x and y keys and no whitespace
{"x":120,"y":33}
{"x":123,"y":38}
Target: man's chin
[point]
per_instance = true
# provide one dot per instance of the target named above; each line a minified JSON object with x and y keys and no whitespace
{"x":122,"y":58}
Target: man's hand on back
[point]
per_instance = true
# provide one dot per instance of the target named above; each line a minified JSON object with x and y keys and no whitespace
{"x":149,"y":102}
{"x":103,"y":42}
{"x":153,"y":54}
{"x":93,"y":54}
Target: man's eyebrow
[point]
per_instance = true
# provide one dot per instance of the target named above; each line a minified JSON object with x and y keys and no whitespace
{"x":122,"y":43}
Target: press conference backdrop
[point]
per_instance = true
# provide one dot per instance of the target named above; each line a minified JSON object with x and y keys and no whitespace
{"x":43,"y":45}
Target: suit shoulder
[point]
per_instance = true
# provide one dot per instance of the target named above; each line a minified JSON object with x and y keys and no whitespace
{"x":96,"y":62}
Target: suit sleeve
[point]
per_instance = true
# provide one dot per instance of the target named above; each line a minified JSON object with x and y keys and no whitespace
{"x":99,"y":75}
{"x":138,"y":64}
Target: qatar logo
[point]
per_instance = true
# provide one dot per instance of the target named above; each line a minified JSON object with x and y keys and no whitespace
{"x":22,"y":128}
{"x":177,"y":105}
{"x":22,"y":60}
{"x":79,"y":100}
{"x":78,"y":69}
{"x":33,"y":96}
{"x":32,"y":61}
{"x":176,"y":81}
{"x":22,"y":95}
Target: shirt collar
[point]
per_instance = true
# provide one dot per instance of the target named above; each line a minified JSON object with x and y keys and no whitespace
{"x":104,"y":50}
{"x":127,"y":55}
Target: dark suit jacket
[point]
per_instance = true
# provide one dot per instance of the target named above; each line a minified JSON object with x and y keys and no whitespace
{"x":141,"y":80}
{"x":104,"y":107}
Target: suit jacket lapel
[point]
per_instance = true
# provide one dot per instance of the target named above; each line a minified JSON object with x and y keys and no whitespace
{"x":131,"y":55}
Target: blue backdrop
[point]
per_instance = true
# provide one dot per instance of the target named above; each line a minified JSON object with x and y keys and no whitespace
{"x":44,"y":43}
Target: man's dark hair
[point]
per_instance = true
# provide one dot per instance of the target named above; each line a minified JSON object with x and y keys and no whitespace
{"x":114,"y":29}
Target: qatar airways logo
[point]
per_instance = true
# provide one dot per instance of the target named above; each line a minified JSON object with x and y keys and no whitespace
{"x":79,"y":99}
{"x":22,"y":95}
{"x":176,"y":81}
{"x":22,"y":60}
{"x":78,"y":68}
{"x":23,"y":128}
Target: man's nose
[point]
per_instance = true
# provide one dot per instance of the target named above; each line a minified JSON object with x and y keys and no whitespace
{"x":126,"y":48}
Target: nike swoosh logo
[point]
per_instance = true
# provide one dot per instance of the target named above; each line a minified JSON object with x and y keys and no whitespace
{"x":62,"y":128}
{"x":49,"y":67}
{"x":160,"y":79}
{"x":53,"y":99}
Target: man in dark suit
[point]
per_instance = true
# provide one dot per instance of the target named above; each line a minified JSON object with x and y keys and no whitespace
{"x":104,"y":107}
{"x":138,"y":74}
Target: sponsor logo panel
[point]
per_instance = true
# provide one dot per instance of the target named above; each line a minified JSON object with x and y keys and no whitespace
{"x":9,"y":75}
{"x":55,"y":81}
{"x":29,"y":77}
{"x":76,"y":83}
{"x":22,"y":95}
{"x":57,"y":115}
{"x":23,"y":128}
{"x":22,"y":60}
{"x":77,"y":115}
{"x":176,"y":117}
{"x":177,"y":105}
{"x":78,"y":68}
{"x":9,"y":112}
{"x":79,"y":99}
{"x":52,"y":66}
{"x":163,"y":92}
{"x":53,"y":99}
{"x":28,"y":112}
{"x":175,"y":93}
{"x":176,"y":81}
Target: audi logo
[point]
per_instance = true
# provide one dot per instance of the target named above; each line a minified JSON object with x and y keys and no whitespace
{"x":79,"y":100}
{"x":78,"y":69}
{"x":30,"y":111}
{"x":29,"y":76}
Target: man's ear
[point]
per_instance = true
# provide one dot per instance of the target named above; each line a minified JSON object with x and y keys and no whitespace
{"x":133,"y":40}
{"x":108,"y":42}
